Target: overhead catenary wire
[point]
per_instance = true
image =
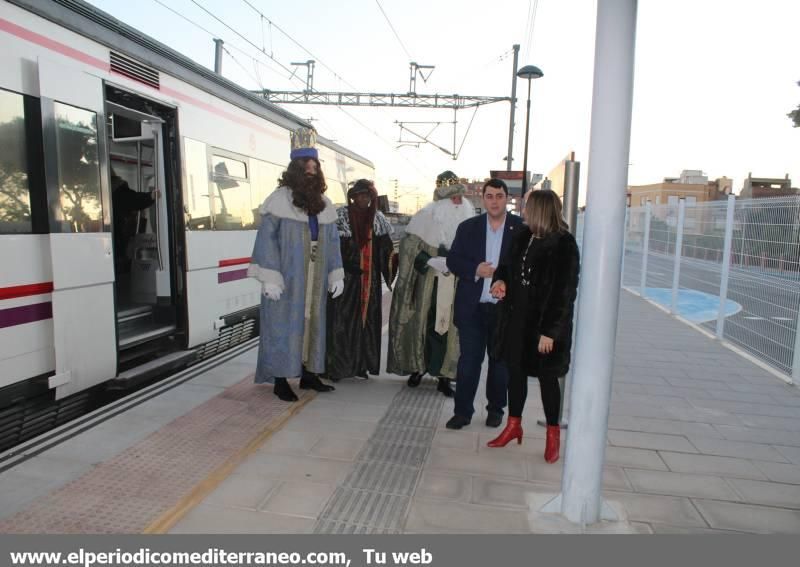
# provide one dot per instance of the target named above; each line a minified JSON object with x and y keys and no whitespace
{"x":215,"y":35}
{"x":397,"y":35}
{"x":298,"y":44}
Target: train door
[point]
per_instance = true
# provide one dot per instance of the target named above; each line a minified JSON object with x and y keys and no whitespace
{"x":143,"y":228}
{"x":79,"y":221}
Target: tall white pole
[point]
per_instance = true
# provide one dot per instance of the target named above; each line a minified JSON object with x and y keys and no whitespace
{"x":726,"y":266}
{"x":609,"y":146}
{"x":676,"y":271}
{"x":648,"y":215}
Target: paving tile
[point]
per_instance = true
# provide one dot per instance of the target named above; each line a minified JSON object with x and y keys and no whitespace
{"x":298,"y":498}
{"x":291,"y":467}
{"x":434,"y":517}
{"x":667,"y":529}
{"x":464,"y":440}
{"x":749,"y":518}
{"x":340,"y":427}
{"x":779,"y":472}
{"x":503,"y":465}
{"x":636,"y":458}
{"x":288,"y":442}
{"x":505,"y":494}
{"x":652,"y":400}
{"x":444,"y":486}
{"x":767,"y":493}
{"x":759,"y":435}
{"x":708,"y":464}
{"x":680,"y":484}
{"x":334,"y":447}
{"x":206,"y":519}
{"x":662,"y":509}
{"x":650,"y":441}
{"x":791,"y":453}
{"x":324,"y":409}
{"x":669,"y":427}
{"x":740,"y":449}
{"x":783,"y":423}
{"x":239,"y":491}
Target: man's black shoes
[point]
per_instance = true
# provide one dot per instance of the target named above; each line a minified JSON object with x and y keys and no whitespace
{"x":457,"y":422}
{"x":311,"y":381}
{"x":414,"y":380}
{"x":283,"y":390}
{"x":444,"y":387}
{"x":494,"y":419}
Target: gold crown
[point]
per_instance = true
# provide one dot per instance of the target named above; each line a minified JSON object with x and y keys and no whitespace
{"x":304,"y":138}
{"x":446,"y":178}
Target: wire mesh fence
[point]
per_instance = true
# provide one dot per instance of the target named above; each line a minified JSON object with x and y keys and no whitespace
{"x":732,"y":268}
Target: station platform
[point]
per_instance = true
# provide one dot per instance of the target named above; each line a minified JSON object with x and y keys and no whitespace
{"x":700,"y":441}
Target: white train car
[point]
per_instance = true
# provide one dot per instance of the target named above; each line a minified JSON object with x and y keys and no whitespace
{"x":92,"y":111}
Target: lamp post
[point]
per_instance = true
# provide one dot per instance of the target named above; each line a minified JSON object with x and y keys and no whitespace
{"x":527,"y":72}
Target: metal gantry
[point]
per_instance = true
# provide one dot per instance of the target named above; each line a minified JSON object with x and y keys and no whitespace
{"x":407,"y":100}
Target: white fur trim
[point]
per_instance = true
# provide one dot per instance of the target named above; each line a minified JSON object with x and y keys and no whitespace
{"x":279,"y":204}
{"x":436,"y":222}
{"x":335,"y":276}
{"x":265,"y":276}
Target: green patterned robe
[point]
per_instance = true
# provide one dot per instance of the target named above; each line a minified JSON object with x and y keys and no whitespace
{"x":412,"y":300}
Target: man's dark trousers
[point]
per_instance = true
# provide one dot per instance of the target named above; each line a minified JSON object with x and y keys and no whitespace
{"x":474,"y":335}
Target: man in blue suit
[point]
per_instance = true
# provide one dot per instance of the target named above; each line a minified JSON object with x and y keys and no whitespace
{"x":476,"y":251}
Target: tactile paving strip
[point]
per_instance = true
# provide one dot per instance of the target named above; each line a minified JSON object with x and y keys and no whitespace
{"x":375,"y":496}
{"x":126,"y":493}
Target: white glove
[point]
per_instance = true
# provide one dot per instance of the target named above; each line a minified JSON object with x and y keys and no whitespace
{"x":336,"y":288}
{"x":272,"y":291}
{"x":439,"y":263}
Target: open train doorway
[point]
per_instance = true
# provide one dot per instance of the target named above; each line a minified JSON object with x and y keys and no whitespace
{"x":144,"y":197}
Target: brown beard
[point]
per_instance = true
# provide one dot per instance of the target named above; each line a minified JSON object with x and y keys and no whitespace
{"x":308,"y":196}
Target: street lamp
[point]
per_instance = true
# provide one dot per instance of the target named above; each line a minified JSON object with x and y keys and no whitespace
{"x":527,"y":72}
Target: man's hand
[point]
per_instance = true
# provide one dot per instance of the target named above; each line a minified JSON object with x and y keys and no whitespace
{"x":485,"y":270}
{"x":336,"y":288}
{"x":439,"y":263}
{"x":498,"y":289}
{"x":545,"y":345}
{"x":272,"y":291}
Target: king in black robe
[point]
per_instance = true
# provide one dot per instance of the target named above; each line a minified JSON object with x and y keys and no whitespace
{"x":368,"y":258}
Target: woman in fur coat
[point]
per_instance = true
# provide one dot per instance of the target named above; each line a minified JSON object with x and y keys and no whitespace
{"x":537,"y":282}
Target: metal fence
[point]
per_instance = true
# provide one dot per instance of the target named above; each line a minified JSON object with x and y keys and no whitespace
{"x":731,"y":267}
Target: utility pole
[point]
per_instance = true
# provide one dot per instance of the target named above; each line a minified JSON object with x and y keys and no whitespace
{"x":510,"y":154}
{"x":218,"y":56}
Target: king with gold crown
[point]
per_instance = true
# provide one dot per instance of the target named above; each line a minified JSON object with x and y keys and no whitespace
{"x":298,"y":261}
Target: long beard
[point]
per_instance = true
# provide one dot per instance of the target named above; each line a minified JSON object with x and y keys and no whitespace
{"x":437,"y":222}
{"x":309,"y":196}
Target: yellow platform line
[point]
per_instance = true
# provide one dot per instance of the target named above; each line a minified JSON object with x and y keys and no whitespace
{"x":202,"y":489}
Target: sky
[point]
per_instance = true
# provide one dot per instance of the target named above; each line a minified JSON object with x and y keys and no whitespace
{"x":713,"y":82}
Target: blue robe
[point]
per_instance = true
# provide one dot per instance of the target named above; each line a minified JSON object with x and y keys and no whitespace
{"x":280,"y":257}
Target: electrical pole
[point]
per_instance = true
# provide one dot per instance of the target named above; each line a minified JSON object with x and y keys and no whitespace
{"x":509,"y":155}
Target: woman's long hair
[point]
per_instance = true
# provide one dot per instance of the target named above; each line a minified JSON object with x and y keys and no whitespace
{"x":307,"y":190}
{"x":543,"y":213}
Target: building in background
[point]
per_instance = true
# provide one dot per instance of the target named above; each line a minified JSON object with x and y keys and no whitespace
{"x":765,"y":187}
{"x":692,"y":185}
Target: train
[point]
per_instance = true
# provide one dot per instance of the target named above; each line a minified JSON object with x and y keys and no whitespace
{"x":93,"y":293}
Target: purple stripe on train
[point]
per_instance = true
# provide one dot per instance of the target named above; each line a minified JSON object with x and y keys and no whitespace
{"x":231,"y":276}
{"x":25,"y":314}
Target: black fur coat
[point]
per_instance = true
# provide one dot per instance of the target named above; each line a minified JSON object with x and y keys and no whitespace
{"x":540,"y":298}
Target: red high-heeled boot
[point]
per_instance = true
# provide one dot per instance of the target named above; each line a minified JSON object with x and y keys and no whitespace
{"x":553,"y":443}
{"x":513,"y":430}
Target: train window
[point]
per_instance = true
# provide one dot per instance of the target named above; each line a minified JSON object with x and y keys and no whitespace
{"x":15,"y":202}
{"x":231,"y":190}
{"x":264,"y":181}
{"x":79,"y":207}
{"x":197,"y":202}
{"x":227,"y":167}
